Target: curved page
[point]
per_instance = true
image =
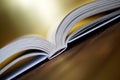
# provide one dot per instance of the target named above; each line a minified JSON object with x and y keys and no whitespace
{"x":33,"y":17}
{"x":21,"y":64}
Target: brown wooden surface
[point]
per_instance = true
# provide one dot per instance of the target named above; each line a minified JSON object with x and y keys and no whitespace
{"x":96,"y":58}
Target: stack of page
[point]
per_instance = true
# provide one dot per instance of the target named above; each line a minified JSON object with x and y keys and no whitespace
{"x":34,"y":30}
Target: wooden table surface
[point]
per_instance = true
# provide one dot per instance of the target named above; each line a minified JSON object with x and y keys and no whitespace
{"x":94,"y":58}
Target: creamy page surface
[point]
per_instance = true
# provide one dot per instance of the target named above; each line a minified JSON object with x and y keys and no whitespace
{"x":33,"y":17}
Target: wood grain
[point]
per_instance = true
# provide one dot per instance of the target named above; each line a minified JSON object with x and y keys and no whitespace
{"x":94,"y":58}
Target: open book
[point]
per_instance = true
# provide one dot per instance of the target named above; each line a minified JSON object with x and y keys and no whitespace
{"x":34,"y":30}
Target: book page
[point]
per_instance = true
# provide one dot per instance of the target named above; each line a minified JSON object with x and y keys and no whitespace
{"x":86,"y":21}
{"x":21,"y":64}
{"x":33,"y":17}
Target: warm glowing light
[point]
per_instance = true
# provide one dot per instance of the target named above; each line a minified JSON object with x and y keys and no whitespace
{"x":36,"y":17}
{"x":25,"y":2}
